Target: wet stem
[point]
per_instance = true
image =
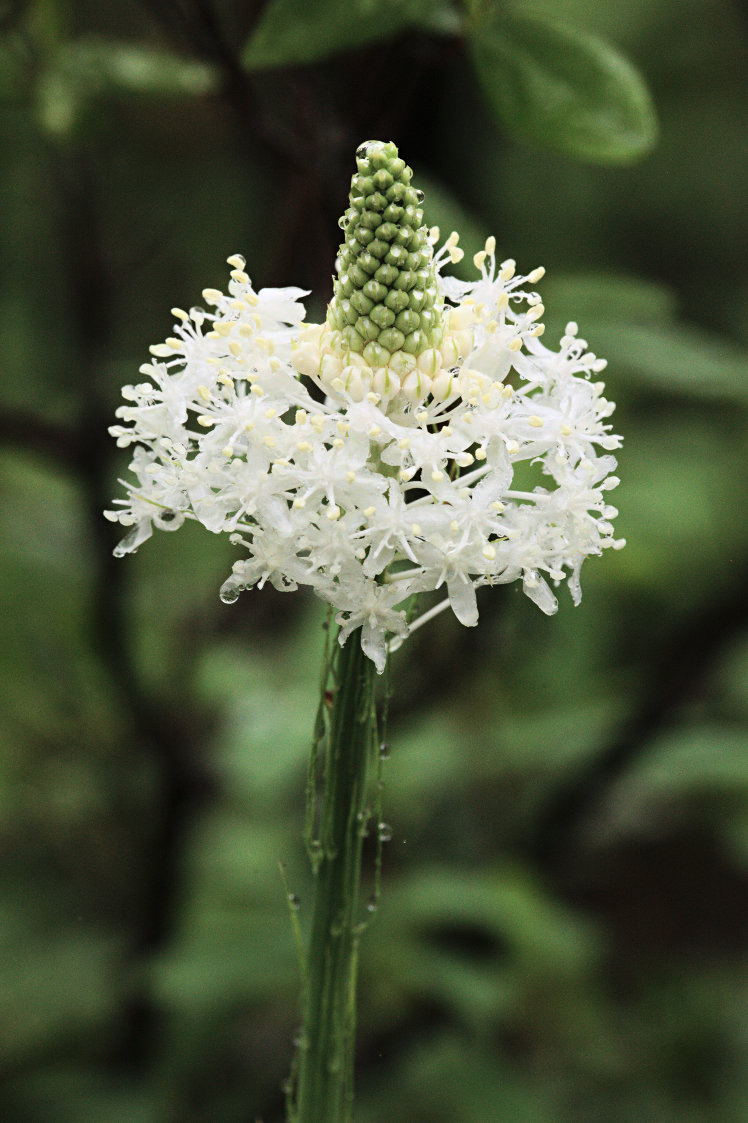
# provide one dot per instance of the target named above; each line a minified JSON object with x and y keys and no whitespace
{"x":322,"y":1090}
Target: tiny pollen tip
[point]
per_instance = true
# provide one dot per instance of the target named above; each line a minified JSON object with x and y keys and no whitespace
{"x":479,"y":258}
{"x":490,"y":245}
{"x":537,"y":274}
{"x":452,"y":240}
{"x":180,"y":314}
{"x":236,"y":260}
{"x":456,"y":254}
{"x":515,"y":344}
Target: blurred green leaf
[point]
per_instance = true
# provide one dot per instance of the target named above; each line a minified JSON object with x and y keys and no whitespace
{"x":703,"y":765}
{"x":294,"y":31}
{"x":56,"y":984}
{"x":228,"y":955}
{"x":452,"y":1078}
{"x":590,"y":297}
{"x":475,"y":940}
{"x":682,"y":359}
{"x":561,"y":88}
{"x":96,"y":64}
{"x":702,"y":758}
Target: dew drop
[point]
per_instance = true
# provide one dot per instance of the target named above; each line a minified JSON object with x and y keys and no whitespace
{"x":384,"y":750}
{"x":229,"y":595}
{"x":294,"y":901}
{"x":385,"y":832}
{"x":372,"y":903}
{"x":420,"y":195}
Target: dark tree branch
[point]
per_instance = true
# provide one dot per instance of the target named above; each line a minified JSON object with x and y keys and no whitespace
{"x":182,"y":783}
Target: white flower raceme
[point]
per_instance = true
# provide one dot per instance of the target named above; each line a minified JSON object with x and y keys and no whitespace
{"x":376,"y":466}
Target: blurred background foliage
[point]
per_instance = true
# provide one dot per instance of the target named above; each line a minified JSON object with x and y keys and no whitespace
{"x":564,"y":925}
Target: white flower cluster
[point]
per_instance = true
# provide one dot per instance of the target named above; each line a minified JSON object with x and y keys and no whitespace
{"x":480,"y":462}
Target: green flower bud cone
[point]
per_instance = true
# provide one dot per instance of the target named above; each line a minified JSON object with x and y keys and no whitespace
{"x":386,"y":299}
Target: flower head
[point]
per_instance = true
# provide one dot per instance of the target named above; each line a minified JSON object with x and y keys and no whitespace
{"x":374,"y":456}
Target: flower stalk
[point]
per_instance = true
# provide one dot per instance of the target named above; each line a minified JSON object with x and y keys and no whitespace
{"x":324,"y":1088}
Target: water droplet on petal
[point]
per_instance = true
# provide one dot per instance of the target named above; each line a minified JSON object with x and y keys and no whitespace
{"x":229,"y":594}
{"x":385,"y":832}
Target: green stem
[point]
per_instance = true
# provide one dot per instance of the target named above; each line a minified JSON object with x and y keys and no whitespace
{"x":325,"y":1086}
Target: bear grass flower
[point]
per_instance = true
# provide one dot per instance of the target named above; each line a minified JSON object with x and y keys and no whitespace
{"x":373,"y":457}
{"x":421,"y":440}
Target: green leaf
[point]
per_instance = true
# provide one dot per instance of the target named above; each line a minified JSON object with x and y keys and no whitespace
{"x":682,"y":359}
{"x":562,"y":88}
{"x":292,"y":32}
{"x":97,"y":64}
{"x":633,"y":323}
{"x":591,"y":297}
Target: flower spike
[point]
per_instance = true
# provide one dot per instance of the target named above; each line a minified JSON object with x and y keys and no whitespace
{"x":401,"y":479}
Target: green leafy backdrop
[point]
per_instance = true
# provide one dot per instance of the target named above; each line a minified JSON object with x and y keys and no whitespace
{"x":564,"y":923}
